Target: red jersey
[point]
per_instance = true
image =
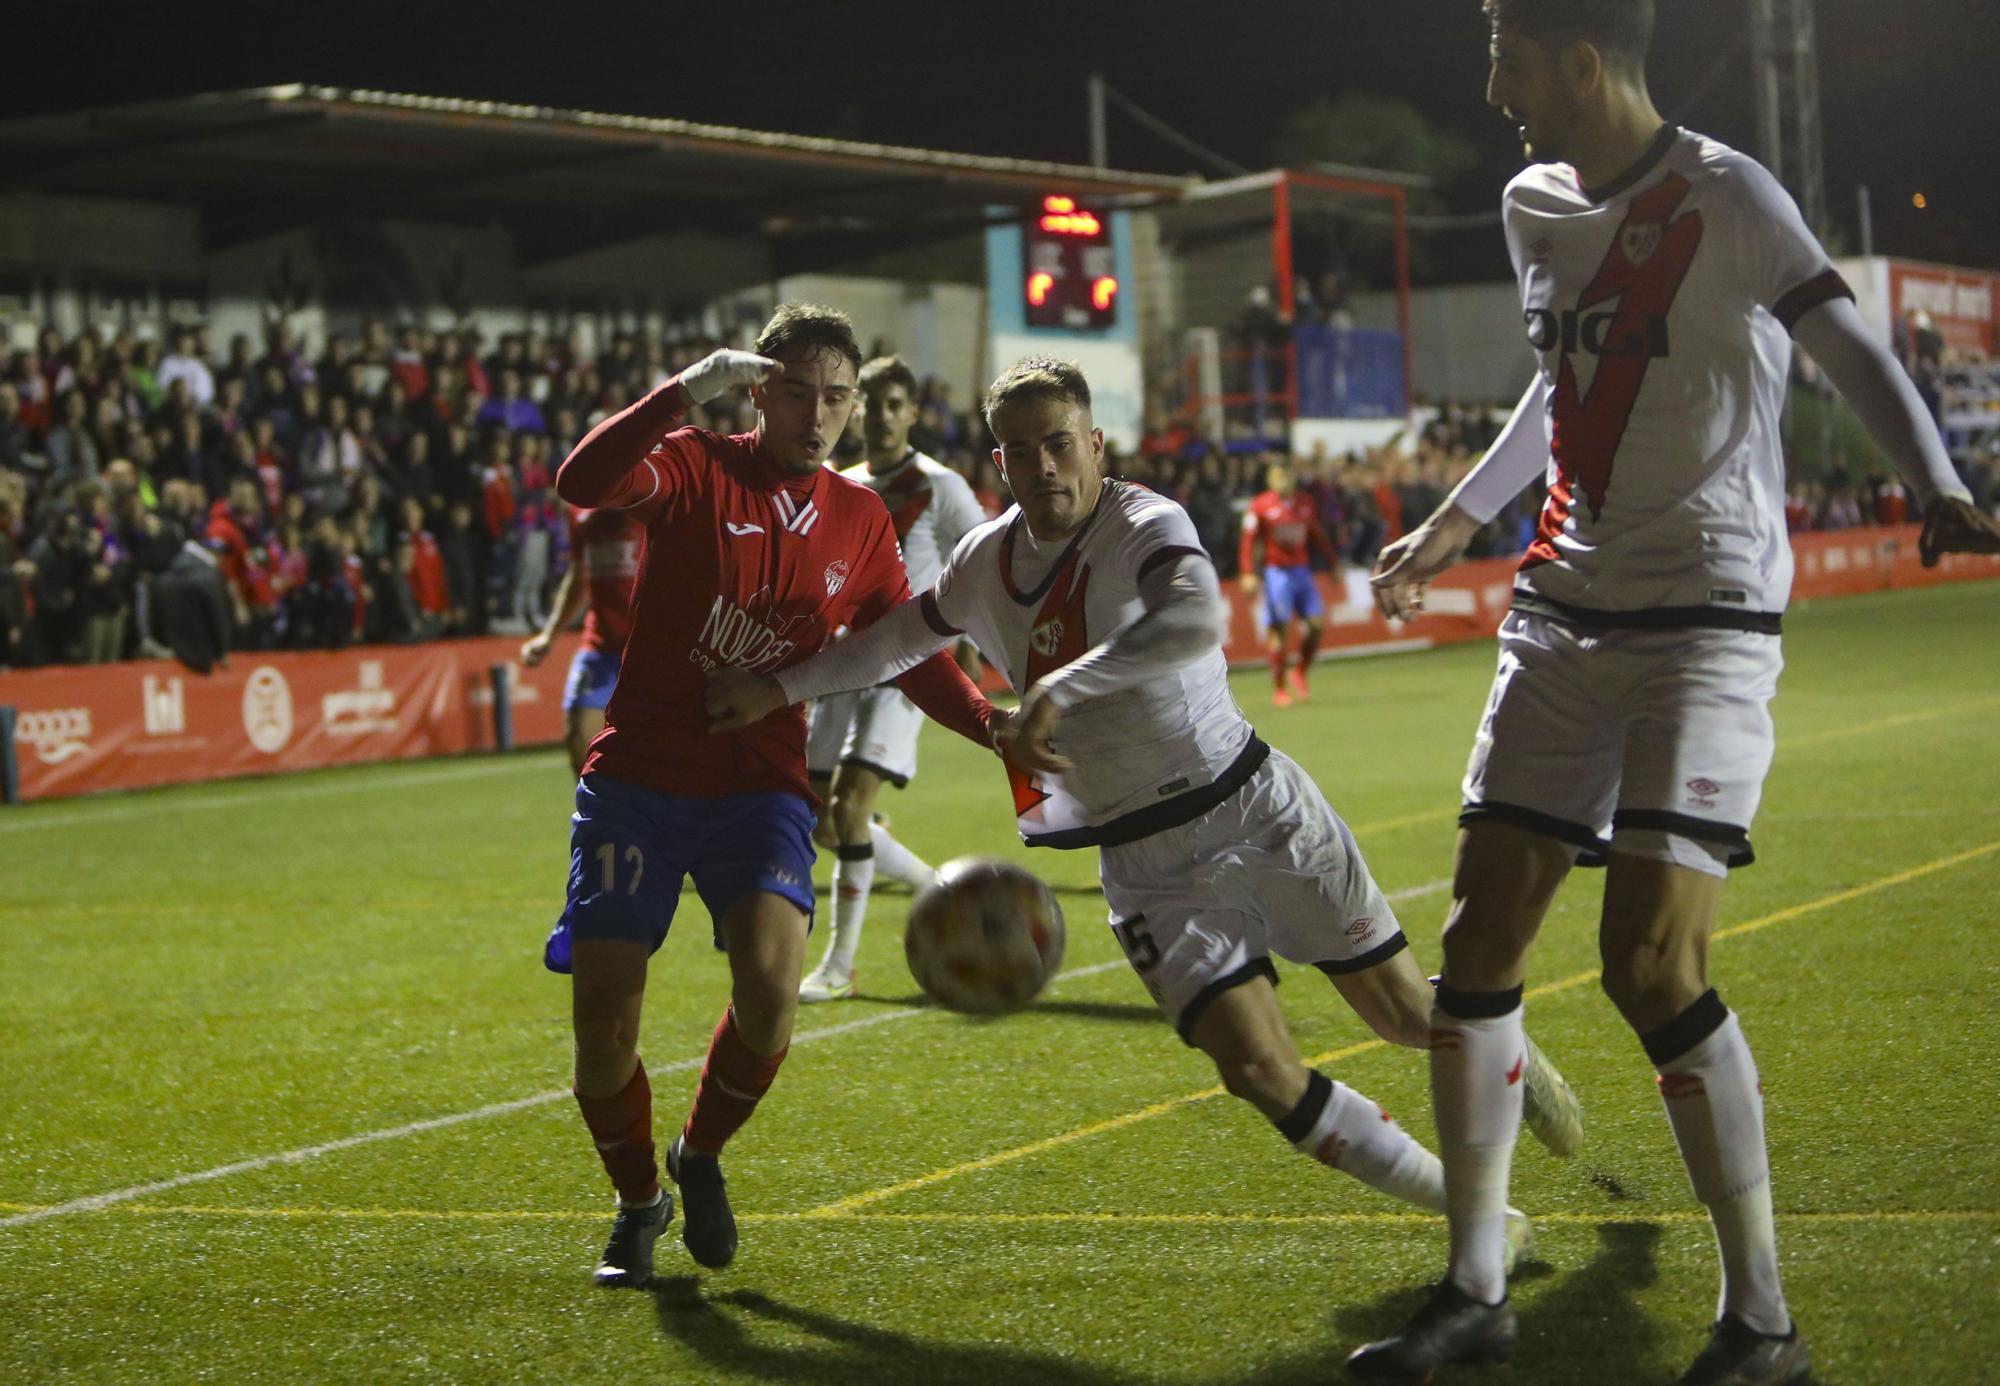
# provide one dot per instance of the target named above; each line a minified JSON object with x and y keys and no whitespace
{"x":1287,"y":525}
{"x":428,"y":587}
{"x":743,"y":564}
{"x":607,"y":545}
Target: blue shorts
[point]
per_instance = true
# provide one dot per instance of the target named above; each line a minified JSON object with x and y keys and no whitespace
{"x":631,"y":847}
{"x":1290,"y":592}
{"x":592,"y":674}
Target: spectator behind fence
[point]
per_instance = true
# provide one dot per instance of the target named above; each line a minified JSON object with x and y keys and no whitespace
{"x":294,"y":467}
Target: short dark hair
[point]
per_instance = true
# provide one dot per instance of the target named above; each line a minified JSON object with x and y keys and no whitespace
{"x":1038,"y":377}
{"x":806,"y":329}
{"x":1622,"y":30}
{"x":889,"y":370}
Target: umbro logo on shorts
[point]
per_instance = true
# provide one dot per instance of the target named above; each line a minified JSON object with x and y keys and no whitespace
{"x":1360,"y":927}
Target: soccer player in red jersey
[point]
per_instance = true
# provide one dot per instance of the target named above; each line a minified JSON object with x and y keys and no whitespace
{"x":755,"y":554}
{"x":1282,"y":519}
{"x":605,"y":546}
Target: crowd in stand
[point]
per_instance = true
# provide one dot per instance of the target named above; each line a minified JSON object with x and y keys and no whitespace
{"x":159,"y":497}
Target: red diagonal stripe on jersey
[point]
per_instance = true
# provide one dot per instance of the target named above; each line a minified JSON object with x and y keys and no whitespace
{"x":1056,"y":638}
{"x":1586,"y":429}
{"x":907,"y":497}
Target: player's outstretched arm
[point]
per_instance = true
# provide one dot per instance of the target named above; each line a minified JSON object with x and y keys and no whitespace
{"x":570,"y":593}
{"x":1520,"y":453}
{"x":946,"y":696}
{"x":1887,"y":403}
{"x":897,"y":643}
{"x":608,"y":468}
{"x":1403,"y":569}
{"x":1185,"y":618}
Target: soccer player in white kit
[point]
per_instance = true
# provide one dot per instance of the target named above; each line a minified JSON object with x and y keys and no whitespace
{"x":1095,"y":598}
{"x":1662,"y":279}
{"x":859,"y":740}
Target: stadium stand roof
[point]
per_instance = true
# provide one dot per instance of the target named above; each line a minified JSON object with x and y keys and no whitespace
{"x":264,"y":159}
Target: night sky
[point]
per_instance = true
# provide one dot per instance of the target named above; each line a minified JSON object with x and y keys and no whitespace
{"x":1908,"y":101}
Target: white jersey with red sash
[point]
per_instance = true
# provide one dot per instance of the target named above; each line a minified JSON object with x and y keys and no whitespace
{"x":1147,"y":757}
{"x":1661,"y":307}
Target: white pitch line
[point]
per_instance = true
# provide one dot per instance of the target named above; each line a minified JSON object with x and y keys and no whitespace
{"x":95,"y":1202}
{"x":310,"y":1152}
{"x":258,"y":794}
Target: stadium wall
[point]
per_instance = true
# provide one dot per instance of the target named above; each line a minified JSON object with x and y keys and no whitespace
{"x":82,"y":729}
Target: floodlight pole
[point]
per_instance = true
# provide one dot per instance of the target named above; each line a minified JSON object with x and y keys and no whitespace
{"x":1100,"y":146}
{"x":1784,"y":59}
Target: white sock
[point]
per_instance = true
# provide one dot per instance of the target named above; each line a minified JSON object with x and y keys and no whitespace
{"x":1344,"y":1130}
{"x":853,"y":874}
{"x":1716,"y":1106}
{"x":899,"y":862}
{"x":1476,"y":1067}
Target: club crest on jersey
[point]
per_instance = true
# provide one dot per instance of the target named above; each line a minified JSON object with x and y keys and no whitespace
{"x":1639,"y":242}
{"x":836,"y":576}
{"x":1047,"y":637}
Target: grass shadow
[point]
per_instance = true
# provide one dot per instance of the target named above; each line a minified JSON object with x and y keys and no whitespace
{"x":1585,"y":1330}
{"x":744,"y":1332}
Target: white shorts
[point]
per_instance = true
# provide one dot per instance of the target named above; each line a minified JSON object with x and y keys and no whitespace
{"x":875,"y":729}
{"x":1272,"y":869}
{"x":1655,"y":743}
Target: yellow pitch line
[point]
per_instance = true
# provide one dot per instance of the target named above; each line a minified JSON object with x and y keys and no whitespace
{"x":845,"y":1206}
{"x":1922,"y":1215}
{"x":1900,"y":719}
{"x":1407,"y":820}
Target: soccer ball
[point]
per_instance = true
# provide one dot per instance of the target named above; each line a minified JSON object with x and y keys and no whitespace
{"x":985,"y":937}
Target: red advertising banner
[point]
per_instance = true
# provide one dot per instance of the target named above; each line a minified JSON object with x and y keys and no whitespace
{"x":84,"y":728}
{"x":81,"y":729}
{"x":1965,"y":304}
{"x":1469,"y":602}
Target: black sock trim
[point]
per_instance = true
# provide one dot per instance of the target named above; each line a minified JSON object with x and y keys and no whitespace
{"x":1477,"y":1005}
{"x":1298,"y":1123}
{"x":855,"y":851}
{"x":1702,"y":1018}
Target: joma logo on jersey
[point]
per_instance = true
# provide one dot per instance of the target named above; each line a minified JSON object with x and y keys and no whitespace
{"x":1603,"y":333}
{"x":737,"y":637}
{"x":1047,"y":637}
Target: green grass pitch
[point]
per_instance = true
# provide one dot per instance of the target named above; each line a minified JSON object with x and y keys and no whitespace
{"x":214,"y":976}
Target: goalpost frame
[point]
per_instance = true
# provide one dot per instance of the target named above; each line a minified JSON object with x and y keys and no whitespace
{"x":1281,"y":263}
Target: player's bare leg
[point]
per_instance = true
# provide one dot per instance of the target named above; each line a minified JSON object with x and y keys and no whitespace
{"x":1395,"y":998}
{"x":766,"y":938}
{"x":1503,"y":880}
{"x":1310,"y":629}
{"x":1274,"y":646}
{"x":1654,"y":942}
{"x":580,"y":727}
{"x":607,"y":993}
{"x":1244,"y":1032}
{"x":849,"y":810}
